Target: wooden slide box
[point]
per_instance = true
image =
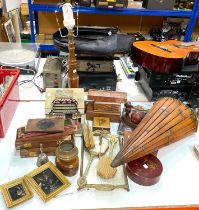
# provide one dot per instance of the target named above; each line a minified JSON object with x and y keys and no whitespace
{"x":113,"y":117}
{"x":34,"y":152}
{"x":107,"y":96}
{"x":49,"y":125}
{"x":36,"y":143}
{"x":30,"y":145}
{"x":90,"y":113}
{"x":22,"y":136}
{"x":33,"y":140}
{"x":107,"y":107}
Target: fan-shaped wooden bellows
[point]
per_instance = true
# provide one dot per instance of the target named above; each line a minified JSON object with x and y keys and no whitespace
{"x":168,"y":121}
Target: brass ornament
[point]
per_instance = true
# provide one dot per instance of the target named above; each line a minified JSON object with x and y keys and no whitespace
{"x":42,"y":158}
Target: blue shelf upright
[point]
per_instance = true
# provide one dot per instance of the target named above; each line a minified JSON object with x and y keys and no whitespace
{"x":192,"y":21}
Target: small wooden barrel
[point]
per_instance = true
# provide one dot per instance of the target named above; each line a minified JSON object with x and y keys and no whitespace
{"x":67,"y":160}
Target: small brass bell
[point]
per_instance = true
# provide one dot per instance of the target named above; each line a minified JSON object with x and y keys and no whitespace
{"x":42,"y":158}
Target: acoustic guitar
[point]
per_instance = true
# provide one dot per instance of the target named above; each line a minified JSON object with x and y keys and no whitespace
{"x":165,"y":57}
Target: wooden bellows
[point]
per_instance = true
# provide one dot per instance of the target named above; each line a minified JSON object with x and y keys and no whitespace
{"x":168,"y":121}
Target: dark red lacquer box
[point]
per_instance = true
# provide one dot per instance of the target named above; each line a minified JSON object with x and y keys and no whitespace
{"x":145,"y":170}
{"x":9,"y":100}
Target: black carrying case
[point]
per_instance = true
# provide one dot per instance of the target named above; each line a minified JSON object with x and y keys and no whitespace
{"x":95,"y":41}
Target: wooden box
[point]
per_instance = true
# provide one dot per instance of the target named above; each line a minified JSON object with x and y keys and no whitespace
{"x":50,"y":125}
{"x":101,"y":123}
{"x":91,"y":112}
{"x":32,"y":140}
{"x":107,"y":107}
{"x":52,"y":142}
{"x":34,"y":152}
{"x":107,"y":96}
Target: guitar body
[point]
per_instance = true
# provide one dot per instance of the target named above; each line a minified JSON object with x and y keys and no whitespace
{"x":164,"y":57}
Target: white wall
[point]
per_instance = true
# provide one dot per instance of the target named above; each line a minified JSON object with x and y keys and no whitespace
{"x":11,"y":4}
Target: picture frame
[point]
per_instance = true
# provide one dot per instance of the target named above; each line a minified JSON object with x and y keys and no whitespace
{"x":14,"y":15}
{"x":16,"y":192}
{"x":47,"y":181}
{"x":9,"y":30}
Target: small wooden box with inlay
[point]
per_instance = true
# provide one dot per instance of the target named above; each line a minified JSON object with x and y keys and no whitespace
{"x":107,"y":96}
{"x":107,"y":107}
{"x":104,"y":110}
{"x":101,"y":123}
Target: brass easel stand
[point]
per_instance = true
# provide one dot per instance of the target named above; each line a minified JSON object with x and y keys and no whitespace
{"x":82,"y":181}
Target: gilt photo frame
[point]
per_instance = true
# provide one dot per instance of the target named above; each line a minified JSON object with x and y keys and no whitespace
{"x":15,"y":192}
{"x":47,"y":181}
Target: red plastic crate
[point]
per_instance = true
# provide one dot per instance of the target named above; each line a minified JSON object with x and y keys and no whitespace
{"x":9,"y":101}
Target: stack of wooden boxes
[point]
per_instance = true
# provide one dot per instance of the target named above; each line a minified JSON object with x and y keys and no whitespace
{"x":103,"y":103}
{"x":29,"y":143}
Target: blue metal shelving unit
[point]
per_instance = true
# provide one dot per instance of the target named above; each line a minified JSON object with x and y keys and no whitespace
{"x":35,"y":8}
{"x":192,"y":21}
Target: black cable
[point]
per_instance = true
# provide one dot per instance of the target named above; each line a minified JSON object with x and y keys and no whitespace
{"x":27,"y":80}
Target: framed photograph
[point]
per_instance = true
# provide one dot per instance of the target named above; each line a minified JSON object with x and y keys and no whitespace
{"x":16,"y":192}
{"x":47,"y":181}
{"x":10,"y":32}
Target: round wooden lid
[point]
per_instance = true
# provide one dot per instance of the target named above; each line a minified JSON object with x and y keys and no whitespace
{"x":145,"y":170}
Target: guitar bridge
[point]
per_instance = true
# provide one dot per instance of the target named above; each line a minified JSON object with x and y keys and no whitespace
{"x":162,"y":48}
